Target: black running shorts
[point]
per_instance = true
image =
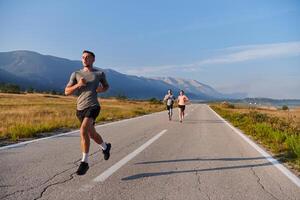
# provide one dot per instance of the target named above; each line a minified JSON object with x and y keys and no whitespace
{"x":182,"y":107}
{"x":169,"y":107}
{"x":90,"y":112}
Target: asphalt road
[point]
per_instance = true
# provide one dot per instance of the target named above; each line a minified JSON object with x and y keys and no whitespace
{"x":151,"y":158}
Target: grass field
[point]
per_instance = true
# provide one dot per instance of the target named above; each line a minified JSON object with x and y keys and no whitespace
{"x":277,"y":130}
{"x":292,"y":115}
{"x":28,"y":115}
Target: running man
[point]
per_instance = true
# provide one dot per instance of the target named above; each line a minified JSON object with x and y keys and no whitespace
{"x":169,"y":99}
{"x":182,"y":100}
{"x":88,"y":82}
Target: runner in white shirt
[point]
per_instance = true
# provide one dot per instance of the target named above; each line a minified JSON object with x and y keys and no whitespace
{"x":169,"y":99}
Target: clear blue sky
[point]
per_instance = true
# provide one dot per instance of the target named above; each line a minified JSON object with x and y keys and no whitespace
{"x":234,"y":46}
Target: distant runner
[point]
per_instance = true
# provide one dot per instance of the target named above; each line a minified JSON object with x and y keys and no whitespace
{"x":182,"y":100}
{"x":88,"y":82}
{"x":169,"y":99}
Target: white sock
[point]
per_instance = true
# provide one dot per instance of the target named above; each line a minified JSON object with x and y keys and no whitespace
{"x":85,"y":157}
{"x":103,"y":145}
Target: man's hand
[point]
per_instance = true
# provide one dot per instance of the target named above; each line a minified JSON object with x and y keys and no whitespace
{"x":71,"y":88}
{"x":100,"y":89}
{"x":187,"y":101}
{"x":165,"y":98}
{"x":82,"y":82}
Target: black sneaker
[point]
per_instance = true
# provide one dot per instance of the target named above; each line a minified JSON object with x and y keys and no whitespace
{"x":82,"y":169}
{"x":106,"y":152}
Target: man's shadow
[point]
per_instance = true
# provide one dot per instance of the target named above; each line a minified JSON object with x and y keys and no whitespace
{"x":153,"y":174}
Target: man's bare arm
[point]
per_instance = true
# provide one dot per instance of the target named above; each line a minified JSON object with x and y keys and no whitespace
{"x":101,"y":88}
{"x":71,"y":89}
{"x":165,"y":98}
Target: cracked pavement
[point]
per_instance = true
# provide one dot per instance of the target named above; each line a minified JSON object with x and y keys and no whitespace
{"x":202,"y":158}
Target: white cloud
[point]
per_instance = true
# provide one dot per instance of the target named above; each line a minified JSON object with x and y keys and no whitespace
{"x":254,"y":52}
{"x":226,"y":56}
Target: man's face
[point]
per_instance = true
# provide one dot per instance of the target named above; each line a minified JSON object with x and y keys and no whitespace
{"x":87,"y":60}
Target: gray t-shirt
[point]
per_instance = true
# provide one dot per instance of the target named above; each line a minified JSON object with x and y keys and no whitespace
{"x":87,"y":94}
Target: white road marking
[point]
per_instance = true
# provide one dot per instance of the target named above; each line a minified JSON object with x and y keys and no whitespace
{"x":272,"y":160}
{"x":102,"y":177}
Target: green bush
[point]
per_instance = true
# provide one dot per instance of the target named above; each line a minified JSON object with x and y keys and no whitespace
{"x":121,"y":97}
{"x":155,"y":101}
{"x":30,"y":90}
{"x":293,"y":143}
{"x":258,"y":117}
{"x":9,"y":88}
{"x":285,"y":107}
{"x":231,"y":106}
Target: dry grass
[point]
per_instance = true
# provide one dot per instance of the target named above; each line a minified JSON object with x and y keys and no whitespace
{"x":27,"y":115}
{"x":291,"y":115}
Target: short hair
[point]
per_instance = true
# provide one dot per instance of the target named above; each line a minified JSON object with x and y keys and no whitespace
{"x":89,"y":52}
{"x":182,"y":91}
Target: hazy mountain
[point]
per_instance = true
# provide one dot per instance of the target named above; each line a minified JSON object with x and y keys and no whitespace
{"x":203,"y":91}
{"x":192,"y":86}
{"x":134,"y":86}
{"x":45,"y":72}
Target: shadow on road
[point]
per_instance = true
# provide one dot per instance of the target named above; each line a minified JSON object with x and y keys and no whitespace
{"x":200,"y":159}
{"x":153,"y":174}
{"x":70,"y":136}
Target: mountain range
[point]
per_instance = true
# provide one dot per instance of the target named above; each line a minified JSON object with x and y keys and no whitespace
{"x":45,"y":72}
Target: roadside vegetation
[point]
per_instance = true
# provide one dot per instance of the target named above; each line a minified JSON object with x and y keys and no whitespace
{"x":29,"y":115}
{"x":276,"y":129}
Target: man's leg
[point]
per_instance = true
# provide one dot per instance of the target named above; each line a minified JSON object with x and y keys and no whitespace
{"x":169,"y":112}
{"x":84,"y":136}
{"x":93,"y":133}
{"x":98,"y":139}
{"x":180,"y":115}
{"x":85,"y":147}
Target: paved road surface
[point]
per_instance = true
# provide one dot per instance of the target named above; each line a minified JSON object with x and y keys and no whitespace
{"x":202,"y":158}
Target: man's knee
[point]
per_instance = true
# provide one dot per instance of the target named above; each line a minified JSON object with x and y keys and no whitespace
{"x":86,"y":124}
{"x":83,"y":129}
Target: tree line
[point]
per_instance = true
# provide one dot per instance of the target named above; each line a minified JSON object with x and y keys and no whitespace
{"x":16,"y":89}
